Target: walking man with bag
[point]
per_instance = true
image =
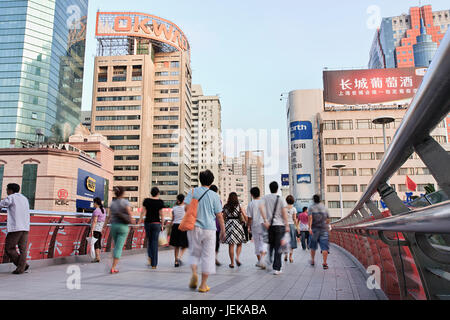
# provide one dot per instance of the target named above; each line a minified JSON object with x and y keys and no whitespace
{"x":202,"y":237}
{"x":274,"y":213}
{"x":318,"y":229}
{"x":18,"y":226}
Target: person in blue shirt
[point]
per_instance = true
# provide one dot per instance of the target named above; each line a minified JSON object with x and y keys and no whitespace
{"x":202,"y":238}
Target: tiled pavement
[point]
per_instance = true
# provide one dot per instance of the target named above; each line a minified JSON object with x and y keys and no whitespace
{"x":344,"y":280}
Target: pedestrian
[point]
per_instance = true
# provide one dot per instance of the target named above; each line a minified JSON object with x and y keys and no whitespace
{"x":153,"y":210}
{"x":292,"y":221}
{"x":178,"y":238}
{"x":274,"y":213}
{"x":318,"y":228}
{"x":121,"y":217}
{"x":97,"y":223}
{"x":202,"y":237}
{"x":216,"y":190}
{"x":255,"y":226}
{"x":17,"y":227}
{"x":234,"y":215}
{"x":304,"y":228}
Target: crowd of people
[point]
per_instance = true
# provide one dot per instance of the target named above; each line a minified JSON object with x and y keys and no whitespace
{"x":271,"y":222}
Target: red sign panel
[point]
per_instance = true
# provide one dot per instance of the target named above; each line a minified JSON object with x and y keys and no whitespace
{"x":63,"y":194}
{"x":371,"y":86}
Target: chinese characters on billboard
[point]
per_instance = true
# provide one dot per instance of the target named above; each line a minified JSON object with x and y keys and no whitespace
{"x":371,"y":86}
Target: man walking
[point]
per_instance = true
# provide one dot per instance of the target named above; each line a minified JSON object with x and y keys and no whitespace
{"x":318,"y":229}
{"x":18,"y":226}
{"x":202,"y":238}
{"x":274,"y":213}
{"x":255,"y":226}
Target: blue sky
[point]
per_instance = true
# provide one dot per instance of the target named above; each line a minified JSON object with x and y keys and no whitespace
{"x":251,"y":51}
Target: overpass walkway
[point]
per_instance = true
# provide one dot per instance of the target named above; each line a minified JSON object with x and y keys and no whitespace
{"x":344,"y":280}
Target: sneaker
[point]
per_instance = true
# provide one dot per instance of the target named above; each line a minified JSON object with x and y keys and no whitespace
{"x":262,"y":266}
{"x":277,"y":272}
{"x":258,"y":264}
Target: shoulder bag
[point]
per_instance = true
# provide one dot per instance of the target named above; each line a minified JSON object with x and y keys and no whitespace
{"x":189,"y":219}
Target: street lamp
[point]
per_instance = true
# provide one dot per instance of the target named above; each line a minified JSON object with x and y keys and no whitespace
{"x":383,"y":120}
{"x":338,"y":167}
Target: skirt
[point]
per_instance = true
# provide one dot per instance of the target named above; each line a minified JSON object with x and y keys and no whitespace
{"x":293,"y":233}
{"x":178,"y":238}
{"x":234,"y":232}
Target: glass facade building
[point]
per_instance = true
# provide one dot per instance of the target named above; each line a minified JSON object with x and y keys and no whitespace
{"x":41,"y":69}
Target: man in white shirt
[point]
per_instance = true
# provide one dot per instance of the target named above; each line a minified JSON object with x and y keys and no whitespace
{"x":18,"y":226}
{"x":274,"y":213}
{"x":255,"y":226}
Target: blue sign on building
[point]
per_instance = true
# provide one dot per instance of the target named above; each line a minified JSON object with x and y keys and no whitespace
{"x":90,"y":186}
{"x":301,"y":130}
{"x":285,"y":179}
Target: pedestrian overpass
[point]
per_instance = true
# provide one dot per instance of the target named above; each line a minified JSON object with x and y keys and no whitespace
{"x":405,"y":249}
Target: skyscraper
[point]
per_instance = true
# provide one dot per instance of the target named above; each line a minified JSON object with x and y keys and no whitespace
{"x":394,"y":44}
{"x":142,"y":103}
{"x":41,"y":69}
{"x":206,"y":135}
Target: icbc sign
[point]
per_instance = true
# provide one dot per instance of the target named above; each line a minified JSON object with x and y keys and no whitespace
{"x":62,"y":198}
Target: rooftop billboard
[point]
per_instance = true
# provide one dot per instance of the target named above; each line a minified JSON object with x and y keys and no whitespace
{"x":344,"y":88}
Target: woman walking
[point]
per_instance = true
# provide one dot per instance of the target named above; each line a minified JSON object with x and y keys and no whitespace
{"x":153,"y":224}
{"x":121,"y":216}
{"x":292,"y":220}
{"x":234,"y":215}
{"x":178,"y":238}
{"x":98,"y":221}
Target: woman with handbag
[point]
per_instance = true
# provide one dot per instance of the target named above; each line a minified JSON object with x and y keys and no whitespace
{"x":121,"y":217}
{"x":98,"y":221}
{"x":292,"y":221}
{"x":178,"y":238}
{"x":234,"y":217}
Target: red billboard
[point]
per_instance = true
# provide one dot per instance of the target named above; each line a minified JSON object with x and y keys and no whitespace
{"x":371,"y":86}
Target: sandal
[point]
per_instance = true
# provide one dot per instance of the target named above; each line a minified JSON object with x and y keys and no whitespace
{"x":285,"y":258}
{"x":325,"y":266}
{"x":204,"y":290}
{"x":311,"y":262}
{"x":291,"y":260}
{"x":194,"y":281}
{"x":238,"y":263}
{"x":114,"y":271}
{"x":231,"y":266}
{"x":177,"y":264}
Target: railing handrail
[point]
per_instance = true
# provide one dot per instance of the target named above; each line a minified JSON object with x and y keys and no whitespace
{"x":61,"y":213}
{"x":429,"y":107}
{"x":434,"y":219}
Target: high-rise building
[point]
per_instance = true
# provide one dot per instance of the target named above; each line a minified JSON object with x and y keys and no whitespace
{"x":86,"y":119}
{"x":333,"y":127}
{"x":252,"y":165}
{"x":232,"y":180}
{"x":409,"y":40}
{"x":41,"y":69}
{"x":142,"y":103}
{"x":206,"y":148}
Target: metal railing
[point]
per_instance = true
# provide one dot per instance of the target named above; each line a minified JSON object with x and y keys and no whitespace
{"x":409,"y":245}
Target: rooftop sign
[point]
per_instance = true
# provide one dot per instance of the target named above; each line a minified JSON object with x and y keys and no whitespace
{"x":133,"y":24}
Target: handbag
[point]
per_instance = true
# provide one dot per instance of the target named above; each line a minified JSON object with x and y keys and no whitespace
{"x":122,"y":213}
{"x":189,"y":219}
{"x":267,"y":238}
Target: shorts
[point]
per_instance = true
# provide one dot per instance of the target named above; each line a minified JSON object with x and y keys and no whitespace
{"x":98,"y":244}
{"x":202,"y":243}
{"x":319,"y":237}
{"x":260,"y":245}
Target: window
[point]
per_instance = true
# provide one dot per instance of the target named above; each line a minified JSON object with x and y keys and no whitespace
{"x":165,"y":173}
{"x":119,"y":98}
{"x":29,"y":177}
{"x":345,"y":141}
{"x":367,"y":171}
{"x":349,"y":204}
{"x":132,"y":157}
{"x":365,"y":140}
{"x":159,"y":118}
{"x":363,"y":187}
{"x":110,"y":118}
{"x":161,"y":74}
{"x":165,"y":183}
{"x":330,"y":141}
{"x":366,"y":156}
{"x":440,"y":139}
{"x":349,"y":188}
{"x":131,"y":137}
{"x":101,"y":128}
{"x":329,"y":125}
{"x":126,"y":178}
{"x":166,"y":82}
{"x":402,"y":188}
{"x":174,"y":64}
{"x":348,"y":172}
{"x":167,"y":99}
{"x":136,"y":73}
{"x":422,"y":171}
{"x":344,"y":124}
{"x":119,"y":73}
{"x":363,"y":124}
{"x":331,"y":156}
{"x":333,"y":188}
{"x":421,"y":187}
{"x":332,"y":172}
{"x":379,"y":155}
{"x":165,"y":164}
{"x":334,"y":204}
{"x":347,"y":156}
{"x":117,"y":108}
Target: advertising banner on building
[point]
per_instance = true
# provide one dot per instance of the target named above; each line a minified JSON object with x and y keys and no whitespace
{"x":302,"y":160}
{"x":285,"y":179}
{"x":370,"y":86}
{"x":89,"y":186}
